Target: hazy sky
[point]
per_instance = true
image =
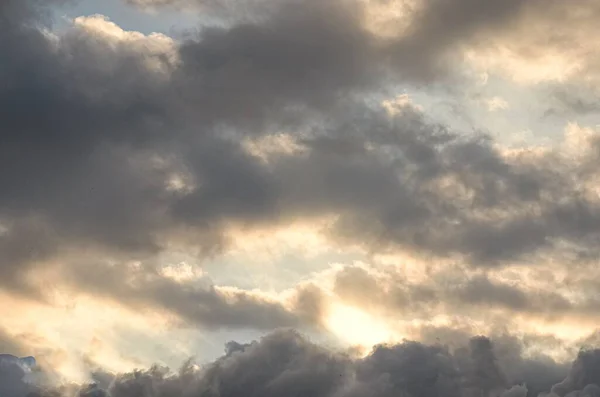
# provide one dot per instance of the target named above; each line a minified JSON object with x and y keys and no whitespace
{"x":316,"y":176}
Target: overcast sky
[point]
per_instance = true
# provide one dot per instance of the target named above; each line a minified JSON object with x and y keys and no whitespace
{"x":273,"y":187}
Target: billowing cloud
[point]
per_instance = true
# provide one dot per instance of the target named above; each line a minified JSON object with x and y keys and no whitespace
{"x":285,"y":362}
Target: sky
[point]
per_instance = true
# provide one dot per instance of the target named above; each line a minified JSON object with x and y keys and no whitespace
{"x":338,"y":198}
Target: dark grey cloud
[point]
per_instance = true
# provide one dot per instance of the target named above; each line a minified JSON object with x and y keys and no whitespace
{"x":510,"y":363}
{"x":285,"y":363}
{"x":56,"y":142}
{"x":13,"y":373}
{"x":435,"y":26}
{"x":305,"y":54}
{"x":79,"y":131}
{"x":583,"y":377}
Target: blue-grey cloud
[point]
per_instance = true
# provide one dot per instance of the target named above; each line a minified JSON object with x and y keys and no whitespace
{"x":286,"y":363}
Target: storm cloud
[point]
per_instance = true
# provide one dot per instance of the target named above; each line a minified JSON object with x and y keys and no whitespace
{"x":285,"y":362}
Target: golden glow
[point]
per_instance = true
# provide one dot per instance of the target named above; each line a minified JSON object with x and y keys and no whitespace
{"x":390,"y":18}
{"x":273,"y":145}
{"x":399,"y":104}
{"x":264,"y":245}
{"x":182,"y":272}
{"x":552,"y":65}
{"x":357,"y":327}
{"x":79,"y":328}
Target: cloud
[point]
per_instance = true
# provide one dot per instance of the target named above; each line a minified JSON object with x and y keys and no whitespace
{"x":120,"y":149}
{"x":197,"y":302}
{"x":10,"y":344}
{"x":538,"y":45}
{"x":496,"y":103}
{"x":456,"y":291}
{"x":583,"y":377}
{"x":572,"y":100}
{"x":284,"y":363}
{"x":528,"y":41}
{"x":124,"y":146}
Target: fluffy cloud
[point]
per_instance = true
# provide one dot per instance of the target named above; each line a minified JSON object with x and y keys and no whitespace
{"x":285,"y":363}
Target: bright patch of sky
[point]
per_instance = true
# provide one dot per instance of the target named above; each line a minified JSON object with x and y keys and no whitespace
{"x":129,"y":17}
{"x":281,"y":273}
{"x":513,"y":114}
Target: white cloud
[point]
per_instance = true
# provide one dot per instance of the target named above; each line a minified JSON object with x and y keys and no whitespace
{"x":155,"y":47}
{"x":401,"y":103}
{"x":496,"y":103}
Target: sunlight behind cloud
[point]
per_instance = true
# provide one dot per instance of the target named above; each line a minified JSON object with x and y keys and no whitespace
{"x":269,"y":243}
{"x":390,"y":18}
{"x":357,"y":327}
{"x":83,"y":332}
{"x":160,"y":51}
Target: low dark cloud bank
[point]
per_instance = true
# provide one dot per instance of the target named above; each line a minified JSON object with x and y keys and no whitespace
{"x":285,"y":363}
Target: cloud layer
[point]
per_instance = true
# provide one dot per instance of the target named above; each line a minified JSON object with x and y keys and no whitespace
{"x":120,"y":151}
{"x":284,"y":363}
